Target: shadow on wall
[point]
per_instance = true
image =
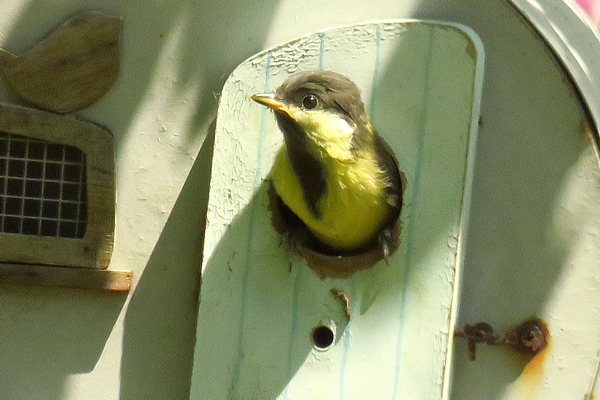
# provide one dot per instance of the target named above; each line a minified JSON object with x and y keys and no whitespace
{"x":50,"y":334}
{"x":160,"y":325}
{"x":211,"y":40}
{"x":240,"y":344}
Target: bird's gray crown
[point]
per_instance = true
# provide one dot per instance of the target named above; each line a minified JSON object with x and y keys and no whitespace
{"x":334,"y":92}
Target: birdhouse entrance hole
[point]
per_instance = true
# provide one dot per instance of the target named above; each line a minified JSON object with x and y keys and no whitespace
{"x":327,"y":263}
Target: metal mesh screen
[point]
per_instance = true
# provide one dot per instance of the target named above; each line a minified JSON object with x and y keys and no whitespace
{"x":42,"y":188}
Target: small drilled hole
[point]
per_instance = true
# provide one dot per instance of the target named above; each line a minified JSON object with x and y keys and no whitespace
{"x":322,"y":337}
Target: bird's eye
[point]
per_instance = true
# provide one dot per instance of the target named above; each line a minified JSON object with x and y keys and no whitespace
{"x":309,"y":102}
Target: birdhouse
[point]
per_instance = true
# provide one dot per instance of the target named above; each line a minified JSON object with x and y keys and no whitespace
{"x":297,"y":321}
{"x":454,"y":156}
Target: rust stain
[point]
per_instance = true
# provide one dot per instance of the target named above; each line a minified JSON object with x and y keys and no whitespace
{"x":531,"y":379}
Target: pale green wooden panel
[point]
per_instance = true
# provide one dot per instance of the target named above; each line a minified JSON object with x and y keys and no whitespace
{"x":421,"y":82}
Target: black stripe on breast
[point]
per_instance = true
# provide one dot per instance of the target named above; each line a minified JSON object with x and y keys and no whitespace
{"x":307,"y":166}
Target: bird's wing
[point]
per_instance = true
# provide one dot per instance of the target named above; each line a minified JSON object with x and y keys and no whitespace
{"x":388,"y":163}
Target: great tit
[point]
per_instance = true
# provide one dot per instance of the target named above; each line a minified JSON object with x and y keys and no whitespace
{"x":334,"y":172}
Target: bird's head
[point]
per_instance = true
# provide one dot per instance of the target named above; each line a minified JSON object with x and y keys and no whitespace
{"x":323,"y":105}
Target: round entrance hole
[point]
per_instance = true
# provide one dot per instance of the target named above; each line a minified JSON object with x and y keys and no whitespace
{"x":325,"y":262}
{"x":322,"y":336}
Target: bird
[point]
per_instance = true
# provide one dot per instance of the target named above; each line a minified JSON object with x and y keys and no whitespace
{"x":333,"y":171}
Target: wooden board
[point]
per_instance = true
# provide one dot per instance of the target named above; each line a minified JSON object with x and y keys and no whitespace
{"x":72,"y":67}
{"x":81,"y":278}
{"x":421,"y":82}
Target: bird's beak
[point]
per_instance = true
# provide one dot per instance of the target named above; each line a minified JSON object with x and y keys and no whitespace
{"x":270,"y":101}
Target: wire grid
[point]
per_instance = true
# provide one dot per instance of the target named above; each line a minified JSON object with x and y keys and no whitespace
{"x":43,"y":188}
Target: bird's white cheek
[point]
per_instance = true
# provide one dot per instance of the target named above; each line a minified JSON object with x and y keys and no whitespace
{"x":329,"y":132}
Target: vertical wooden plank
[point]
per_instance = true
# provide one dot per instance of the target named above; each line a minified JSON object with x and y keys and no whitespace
{"x":253,"y":341}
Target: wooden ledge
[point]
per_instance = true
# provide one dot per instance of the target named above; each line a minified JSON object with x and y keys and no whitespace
{"x":52,"y":276}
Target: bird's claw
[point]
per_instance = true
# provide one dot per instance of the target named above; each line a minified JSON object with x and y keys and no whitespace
{"x":386,"y":242}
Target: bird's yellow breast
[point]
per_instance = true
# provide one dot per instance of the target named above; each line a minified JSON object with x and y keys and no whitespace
{"x":353,"y":210}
